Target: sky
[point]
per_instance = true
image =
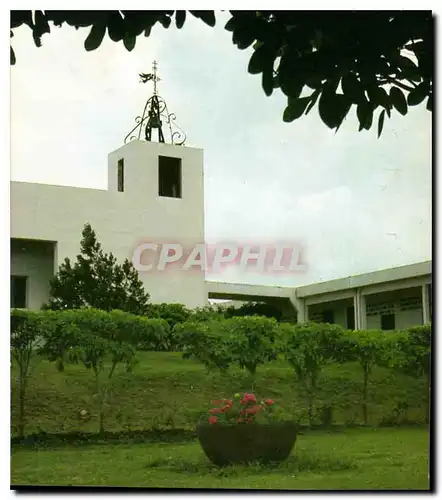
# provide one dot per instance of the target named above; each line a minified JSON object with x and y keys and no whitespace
{"x":354,"y":202}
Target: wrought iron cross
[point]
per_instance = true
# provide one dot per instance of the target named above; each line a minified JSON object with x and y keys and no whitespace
{"x":155,"y":114}
{"x":146,"y":77}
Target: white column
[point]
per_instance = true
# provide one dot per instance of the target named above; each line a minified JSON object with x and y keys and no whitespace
{"x":360,"y":311}
{"x":356,"y":312}
{"x":301,"y":309}
{"x":425,"y":305}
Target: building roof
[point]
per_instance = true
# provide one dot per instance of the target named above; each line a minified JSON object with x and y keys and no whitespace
{"x":416,"y":270}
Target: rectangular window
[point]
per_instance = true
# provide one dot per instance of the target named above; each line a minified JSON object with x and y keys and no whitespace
{"x":19,"y":291}
{"x":351,"y":318}
{"x":388,"y":322}
{"x":121,"y":175}
{"x":169,"y":177}
{"x":329,"y":317}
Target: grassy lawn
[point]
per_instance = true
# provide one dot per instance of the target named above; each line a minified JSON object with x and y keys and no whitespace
{"x":395,"y":458}
{"x":165,"y":391}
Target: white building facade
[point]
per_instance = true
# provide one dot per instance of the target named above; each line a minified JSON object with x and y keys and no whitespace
{"x":156,"y":194}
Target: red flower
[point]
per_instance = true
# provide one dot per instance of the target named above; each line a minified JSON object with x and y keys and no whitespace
{"x":253,"y":410}
{"x":217,"y":411}
{"x":212,"y":420}
{"x":269,"y":402}
{"x":249,"y":398}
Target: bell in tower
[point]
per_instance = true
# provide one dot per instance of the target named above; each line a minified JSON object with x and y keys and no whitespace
{"x":154,"y":113}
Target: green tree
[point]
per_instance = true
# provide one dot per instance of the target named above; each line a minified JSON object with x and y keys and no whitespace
{"x":369,"y":348}
{"x":376,"y":61}
{"x":206,"y":342}
{"x":172,"y":313}
{"x":308,"y":348}
{"x":412,"y":355}
{"x":96,"y":280}
{"x":93,"y":338}
{"x":28,"y":330}
{"x":252,"y":341}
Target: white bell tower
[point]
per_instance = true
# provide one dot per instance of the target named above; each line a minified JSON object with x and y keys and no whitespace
{"x":157,"y":189}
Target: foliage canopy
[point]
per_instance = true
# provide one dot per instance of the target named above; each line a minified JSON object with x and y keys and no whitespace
{"x":376,"y":61}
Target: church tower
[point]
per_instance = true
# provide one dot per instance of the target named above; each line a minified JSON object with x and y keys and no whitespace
{"x":157,"y":186}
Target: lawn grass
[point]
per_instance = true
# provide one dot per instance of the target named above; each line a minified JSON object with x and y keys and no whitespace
{"x":165,"y":391}
{"x":379,"y":459}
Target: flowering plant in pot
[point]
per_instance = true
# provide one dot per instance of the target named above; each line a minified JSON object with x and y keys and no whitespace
{"x":243,"y":430}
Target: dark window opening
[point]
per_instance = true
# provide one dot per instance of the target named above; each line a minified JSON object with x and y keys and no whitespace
{"x":18,"y":291}
{"x":121,"y":175}
{"x":351,"y":318}
{"x":388,"y":322}
{"x":169,"y":177}
{"x":329,"y":317}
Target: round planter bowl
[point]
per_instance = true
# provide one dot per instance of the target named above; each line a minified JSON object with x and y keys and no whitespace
{"x":245,"y":443}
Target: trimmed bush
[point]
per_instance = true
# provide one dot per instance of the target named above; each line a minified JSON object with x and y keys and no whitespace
{"x":308,"y":348}
{"x":28,"y":331}
{"x":253,"y":341}
{"x":172,"y":313}
{"x":411,"y":354}
{"x":369,"y":348}
{"x":206,"y":342}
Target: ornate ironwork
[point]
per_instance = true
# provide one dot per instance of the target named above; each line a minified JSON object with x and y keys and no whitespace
{"x":155,"y":114}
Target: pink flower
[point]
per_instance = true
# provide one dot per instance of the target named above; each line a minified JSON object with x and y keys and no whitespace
{"x":269,"y":402}
{"x":213,"y":420}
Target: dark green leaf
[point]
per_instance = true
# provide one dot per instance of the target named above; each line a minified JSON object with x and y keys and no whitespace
{"x":260,"y":59}
{"x":41,"y":25}
{"x":417,"y":95}
{"x":313,"y":98}
{"x":207,"y":16}
{"x":267,"y":81}
{"x":333,"y":108}
{"x":12,"y":56}
{"x":95,"y":37}
{"x":381,"y":122}
{"x":352,"y":88}
{"x":290,"y":85}
{"x":165,"y":21}
{"x":115,"y":26}
{"x":180,"y":17}
{"x":243,"y":38}
{"x":231,"y":24}
{"x":430,"y":103}
{"x":378,"y":96}
{"x":398,"y":100}
{"x":295,"y":108}
{"x":364,"y":113}
{"x":129,"y":42}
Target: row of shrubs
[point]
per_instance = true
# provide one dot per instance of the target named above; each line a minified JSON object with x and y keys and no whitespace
{"x":102,"y":340}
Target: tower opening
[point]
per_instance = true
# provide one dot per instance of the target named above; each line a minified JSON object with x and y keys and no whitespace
{"x":169,"y":177}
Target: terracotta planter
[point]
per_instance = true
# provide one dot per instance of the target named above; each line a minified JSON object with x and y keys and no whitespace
{"x":244,"y":443}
